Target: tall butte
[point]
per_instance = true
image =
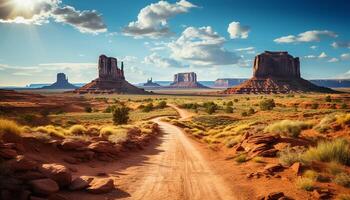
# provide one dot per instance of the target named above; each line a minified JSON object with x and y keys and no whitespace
{"x":110,"y":79}
{"x":276,"y":72}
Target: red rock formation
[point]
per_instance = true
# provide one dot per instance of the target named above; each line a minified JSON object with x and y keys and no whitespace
{"x":61,"y":83}
{"x":276,"y":72}
{"x":186,"y":80}
{"x":110,"y":79}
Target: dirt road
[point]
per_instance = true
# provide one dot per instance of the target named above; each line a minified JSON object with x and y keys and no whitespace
{"x":170,"y":169}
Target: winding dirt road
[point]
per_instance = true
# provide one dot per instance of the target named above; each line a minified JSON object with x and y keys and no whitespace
{"x":177,"y":171}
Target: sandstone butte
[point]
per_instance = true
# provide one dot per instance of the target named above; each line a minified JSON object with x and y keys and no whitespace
{"x":110,"y":79}
{"x":276,"y":72}
{"x":186,"y":80}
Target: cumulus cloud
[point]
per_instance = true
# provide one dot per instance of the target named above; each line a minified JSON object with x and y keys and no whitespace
{"x":343,"y":44}
{"x":202,"y":46}
{"x":308,"y":36}
{"x":158,"y":61}
{"x":310,"y":56}
{"x":246,"y":49}
{"x":152,"y":20}
{"x":332,"y":60}
{"x":323,"y":55}
{"x":345,"y":56}
{"x":85,"y":21}
{"x":313,"y":47}
{"x":39,"y":12}
{"x":236,"y":30}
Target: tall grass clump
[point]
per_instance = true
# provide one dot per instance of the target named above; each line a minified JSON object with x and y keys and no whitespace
{"x":77,"y":129}
{"x":121,"y":115}
{"x":327,"y":151}
{"x":267,"y":104}
{"x":288,"y":128}
{"x":10,"y":127}
{"x":324,"y":124}
{"x":305,"y":183}
{"x":342,"y":179}
{"x":289,"y":156}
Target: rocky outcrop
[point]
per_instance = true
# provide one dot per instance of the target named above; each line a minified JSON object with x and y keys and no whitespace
{"x":276,"y":72}
{"x":110,"y":79}
{"x":186,"y":80}
{"x":61,"y":83}
{"x":150,"y":83}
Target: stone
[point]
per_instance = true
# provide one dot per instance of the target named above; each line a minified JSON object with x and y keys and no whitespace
{"x":296,"y":168}
{"x":273,"y":168}
{"x":29,"y":175}
{"x":103,"y":147}
{"x":22,"y":163}
{"x":6,"y":153}
{"x":61,"y":83}
{"x":100,"y":186}
{"x":150,"y":83}
{"x":44,"y":186}
{"x":57,"y":197}
{"x":276,"y":72}
{"x":58,"y":173}
{"x":73,"y":144}
{"x":186,"y":80}
{"x":274,"y":196}
{"x":110,"y":79}
{"x":80,"y":183}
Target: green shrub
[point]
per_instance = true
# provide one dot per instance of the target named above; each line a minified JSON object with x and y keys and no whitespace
{"x":288,"y":156}
{"x":344,"y":106}
{"x":210,"y":107}
{"x":109,"y":109}
{"x":148,"y":108}
{"x":258,"y":159}
{"x":229,"y":109}
{"x":311,"y":174}
{"x":288,"y":128}
{"x":251,"y":111}
{"x":29,"y":118}
{"x":305,"y":183}
{"x":241,"y":158}
{"x":336,"y":150}
{"x":244,"y":114}
{"x":88,"y":109}
{"x":9,"y":127}
{"x":267,"y":104}
{"x":235,"y":100}
{"x":77,"y":129}
{"x":314,"y":106}
{"x":121,"y":115}
{"x":230,"y":103}
{"x":162,"y":104}
{"x":342,"y":179}
{"x":328,"y":99}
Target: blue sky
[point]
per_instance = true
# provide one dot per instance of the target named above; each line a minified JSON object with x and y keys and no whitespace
{"x":216,"y":39}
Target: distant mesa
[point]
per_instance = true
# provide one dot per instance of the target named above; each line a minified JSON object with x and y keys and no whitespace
{"x":110,"y":79}
{"x":186,"y":80}
{"x":61,"y":83}
{"x":150,"y":83}
{"x":276,"y":72}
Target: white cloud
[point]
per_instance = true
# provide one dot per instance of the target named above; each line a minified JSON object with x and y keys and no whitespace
{"x":310,"y":56}
{"x":85,"y":21}
{"x":313,"y":47}
{"x":343,"y":44}
{"x":332,"y":60}
{"x":246,"y":49}
{"x":236,"y":30}
{"x":308,"y":36}
{"x":346,"y":75}
{"x":323,"y":55}
{"x":39,"y":12}
{"x":345,"y":56}
{"x":158,"y":61}
{"x":202,"y":46}
{"x":152,"y":21}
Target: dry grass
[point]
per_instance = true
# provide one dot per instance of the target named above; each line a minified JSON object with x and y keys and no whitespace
{"x":77,"y":130}
{"x":9,"y":127}
{"x":288,"y":128}
{"x":336,"y":150}
{"x":311,"y":174}
{"x":342,"y":179}
{"x":305,"y":183}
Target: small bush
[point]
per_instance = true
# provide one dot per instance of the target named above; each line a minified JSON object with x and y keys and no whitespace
{"x":342,"y":179}
{"x":328,"y":99}
{"x":121,"y":115}
{"x":244,"y":114}
{"x":161,"y":104}
{"x":235,"y":100}
{"x":29,"y":118}
{"x":77,"y":129}
{"x":343,"y":119}
{"x":233,"y":141}
{"x":324,"y":124}
{"x":210,"y":109}
{"x":258,"y":159}
{"x":267,"y":104}
{"x":288,"y":156}
{"x":148,"y":108}
{"x":251,"y":111}
{"x":288,"y":128}
{"x":311,"y":174}
{"x":314,"y":106}
{"x":344,"y":106}
{"x":229,"y":109}
{"x":336,"y":150}
{"x":230,"y":103}
{"x":305,"y":183}
{"x":9,"y":127}
{"x":334,"y":168}
{"x":241,"y":158}
{"x":88,"y":109}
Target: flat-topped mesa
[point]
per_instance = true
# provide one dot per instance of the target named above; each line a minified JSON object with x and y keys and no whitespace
{"x":186,"y":80}
{"x":108,"y":69}
{"x":276,"y":64}
{"x":61,"y":83}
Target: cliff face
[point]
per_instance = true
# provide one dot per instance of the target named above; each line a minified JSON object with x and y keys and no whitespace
{"x":276,"y":72}
{"x":276,"y":64}
{"x":61,"y":83}
{"x":186,"y":80}
{"x":110,"y":79}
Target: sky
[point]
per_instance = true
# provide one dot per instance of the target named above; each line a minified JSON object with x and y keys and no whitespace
{"x":215,"y":39}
